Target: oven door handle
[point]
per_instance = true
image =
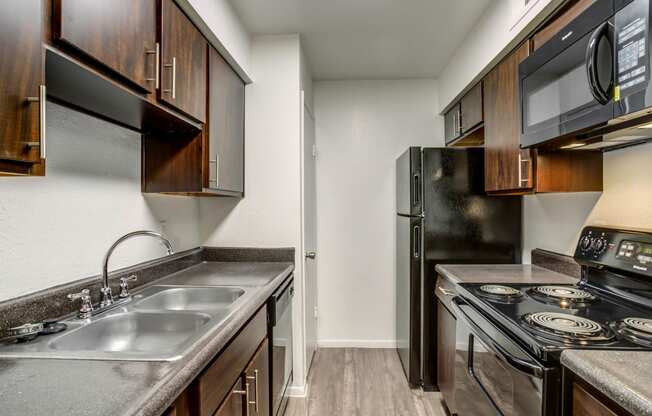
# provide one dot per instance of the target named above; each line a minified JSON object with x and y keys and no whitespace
{"x":600,"y":95}
{"x":530,"y":367}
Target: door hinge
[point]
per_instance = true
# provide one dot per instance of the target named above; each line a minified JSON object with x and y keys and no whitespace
{"x":316,"y":313}
{"x":314,"y":151}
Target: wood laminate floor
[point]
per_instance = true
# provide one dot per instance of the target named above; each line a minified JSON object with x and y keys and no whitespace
{"x":362,"y":382}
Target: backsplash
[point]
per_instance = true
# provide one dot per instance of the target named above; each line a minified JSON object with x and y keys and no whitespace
{"x":554,"y":221}
{"x":90,"y":197}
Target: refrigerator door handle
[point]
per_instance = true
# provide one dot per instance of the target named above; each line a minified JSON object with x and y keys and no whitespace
{"x":417,"y":189}
{"x":417,"y":241}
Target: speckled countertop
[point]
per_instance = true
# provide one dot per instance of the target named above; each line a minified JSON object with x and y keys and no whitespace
{"x":501,"y":273}
{"x":623,"y":376}
{"x":83,"y":387}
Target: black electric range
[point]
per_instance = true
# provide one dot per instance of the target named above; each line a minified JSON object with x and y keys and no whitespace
{"x":510,"y":336}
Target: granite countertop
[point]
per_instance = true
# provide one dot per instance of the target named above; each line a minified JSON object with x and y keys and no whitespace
{"x":502,"y":273}
{"x":623,"y":376}
{"x":92,"y":387}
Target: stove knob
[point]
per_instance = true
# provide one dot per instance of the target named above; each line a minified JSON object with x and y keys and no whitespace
{"x":586,"y":243}
{"x":599,"y":245}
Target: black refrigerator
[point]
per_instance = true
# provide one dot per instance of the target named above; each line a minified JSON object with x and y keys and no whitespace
{"x":443,"y":215}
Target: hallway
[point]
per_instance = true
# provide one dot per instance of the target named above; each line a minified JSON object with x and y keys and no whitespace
{"x":362,"y":382}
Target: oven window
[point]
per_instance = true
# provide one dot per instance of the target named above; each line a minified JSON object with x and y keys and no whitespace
{"x":559,"y":90}
{"x":495,"y":378}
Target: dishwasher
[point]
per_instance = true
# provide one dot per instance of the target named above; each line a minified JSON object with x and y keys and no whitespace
{"x":280,"y":322}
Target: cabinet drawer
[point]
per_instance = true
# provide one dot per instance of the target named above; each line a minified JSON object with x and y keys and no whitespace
{"x":215,"y":383}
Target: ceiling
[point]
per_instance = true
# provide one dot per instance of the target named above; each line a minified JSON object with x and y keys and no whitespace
{"x":367,"y":39}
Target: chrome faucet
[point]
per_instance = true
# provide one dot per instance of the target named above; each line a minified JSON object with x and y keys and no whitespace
{"x":107,"y":296}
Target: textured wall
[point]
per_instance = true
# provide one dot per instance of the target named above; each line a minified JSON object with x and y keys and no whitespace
{"x":57,"y":228}
{"x":362,"y":127}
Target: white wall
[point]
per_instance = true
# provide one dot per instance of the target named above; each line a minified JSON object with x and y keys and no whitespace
{"x":362,"y":127}
{"x":502,"y":26}
{"x":270,"y":213}
{"x":56,"y":229}
{"x":220,"y":18}
{"x":554,"y":221}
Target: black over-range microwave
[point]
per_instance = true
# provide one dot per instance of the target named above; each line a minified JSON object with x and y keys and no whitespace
{"x":589,"y":86}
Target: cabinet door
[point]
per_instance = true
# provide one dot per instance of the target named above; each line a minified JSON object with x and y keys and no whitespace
{"x":119,"y":34}
{"x":257,"y":377}
{"x":507,"y":167}
{"x":452,"y":128}
{"x":471,"y":108}
{"x":585,"y":404}
{"x":225,"y":126}
{"x":446,"y":355}
{"x":234,"y":404}
{"x":21,"y":74}
{"x":183,"y":62}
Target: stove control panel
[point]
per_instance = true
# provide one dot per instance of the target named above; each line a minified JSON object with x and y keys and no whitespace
{"x":618,"y":249}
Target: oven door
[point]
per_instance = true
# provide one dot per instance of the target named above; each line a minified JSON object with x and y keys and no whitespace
{"x":494,"y":375}
{"x":567,"y":84}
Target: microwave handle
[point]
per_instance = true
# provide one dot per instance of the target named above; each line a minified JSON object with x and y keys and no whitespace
{"x":529,"y":368}
{"x":600,"y":95}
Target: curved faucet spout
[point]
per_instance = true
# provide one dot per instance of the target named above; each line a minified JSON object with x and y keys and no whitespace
{"x":107,"y":297}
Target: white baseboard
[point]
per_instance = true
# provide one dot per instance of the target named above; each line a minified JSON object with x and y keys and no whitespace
{"x":357,"y":343}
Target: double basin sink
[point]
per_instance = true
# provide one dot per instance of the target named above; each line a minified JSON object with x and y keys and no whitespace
{"x":158,"y":324}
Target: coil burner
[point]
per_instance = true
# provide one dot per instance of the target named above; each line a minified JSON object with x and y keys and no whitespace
{"x":566,"y":328}
{"x":500,"y":293}
{"x":562,"y":296}
{"x":636,"y":330}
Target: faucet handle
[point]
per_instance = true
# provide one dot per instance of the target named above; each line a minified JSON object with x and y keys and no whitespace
{"x":86,"y":309}
{"x":124,"y":285}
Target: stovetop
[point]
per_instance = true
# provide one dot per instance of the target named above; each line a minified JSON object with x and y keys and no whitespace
{"x":546,"y":319}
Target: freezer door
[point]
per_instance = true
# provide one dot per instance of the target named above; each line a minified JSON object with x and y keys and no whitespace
{"x":409,"y":247}
{"x":409,"y":182}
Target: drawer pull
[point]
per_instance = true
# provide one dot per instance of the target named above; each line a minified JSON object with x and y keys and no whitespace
{"x":254,"y":378}
{"x":245,"y":393}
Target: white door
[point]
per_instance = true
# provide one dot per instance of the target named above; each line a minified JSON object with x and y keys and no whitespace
{"x":309,"y":230}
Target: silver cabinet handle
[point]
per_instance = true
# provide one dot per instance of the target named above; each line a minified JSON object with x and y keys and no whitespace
{"x":216,"y":169}
{"x":245,"y":393}
{"x":445,"y":292}
{"x":173,"y":66}
{"x":520,"y":169}
{"x":255,"y":380}
{"x":311,"y":255}
{"x":157,"y":55}
{"x":41,"y":100}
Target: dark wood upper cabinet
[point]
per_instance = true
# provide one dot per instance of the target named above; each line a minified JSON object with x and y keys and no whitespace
{"x":446,"y":355}
{"x":225,"y":151}
{"x":22,"y":95}
{"x":452,"y":126}
{"x":118,"y":34}
{"x":463,"y":122}
{"x":506,"y":166}
{"x":183,"y":62}
{"x":511,"y":170}
{"x":471,"y":106}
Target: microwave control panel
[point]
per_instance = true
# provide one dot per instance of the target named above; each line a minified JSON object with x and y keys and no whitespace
{"x":632,"y":49}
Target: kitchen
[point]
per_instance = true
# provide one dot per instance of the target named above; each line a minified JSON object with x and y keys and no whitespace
{"x":249,"y":136}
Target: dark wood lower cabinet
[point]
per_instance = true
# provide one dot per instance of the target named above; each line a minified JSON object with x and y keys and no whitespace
{"x":579,"y":398}
{"x":237,"y":382}
{"x":446,"y":355}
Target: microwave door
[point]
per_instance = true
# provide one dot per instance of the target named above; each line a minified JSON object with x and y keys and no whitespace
{"x":567,"y":84}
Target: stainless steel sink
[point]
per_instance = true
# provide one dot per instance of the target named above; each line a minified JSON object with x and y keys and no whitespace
{"x":189,"y":299}
{"x":159,"y":324}
{"x":133,"y":332}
